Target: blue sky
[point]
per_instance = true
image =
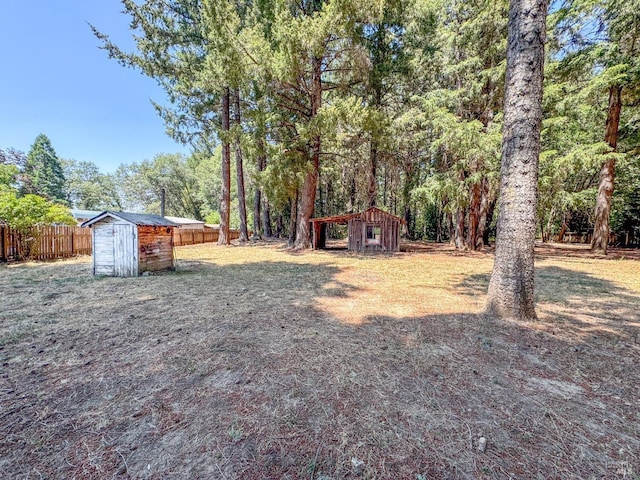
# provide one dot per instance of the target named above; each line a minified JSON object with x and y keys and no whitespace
{"x":55,"y":80}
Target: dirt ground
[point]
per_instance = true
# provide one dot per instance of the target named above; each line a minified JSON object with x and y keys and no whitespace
{"x":254,"y":362}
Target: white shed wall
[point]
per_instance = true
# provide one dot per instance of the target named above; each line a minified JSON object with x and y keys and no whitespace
{"x":115,"y":248}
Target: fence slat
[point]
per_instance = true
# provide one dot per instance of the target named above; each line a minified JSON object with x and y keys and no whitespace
{"x":51,"y":242}
{"x":44,"y":243}
{"x":196,"y":237}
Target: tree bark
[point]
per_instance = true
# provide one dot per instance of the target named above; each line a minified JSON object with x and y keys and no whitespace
{"x":474,"y":216}
{"x":439,"y":224}
{"x":257,"y":212}
{"x":484,"y":215}
{"x":242,"y":203}
{"x":458,"y":234}
{"x":511,"y":287}
{"x":372,"y":190}
{"x":258,"y":230}
{"x":458,"y":239}
{"x":225,"y":201}
{"x":351,"y":182}
{"x":490,"y":212}
{"x":600,"y":240}
{"x":293,"y":220}
{"x":266,"y":217}
{"x":279,"y":225}
{"x":307,"y":198}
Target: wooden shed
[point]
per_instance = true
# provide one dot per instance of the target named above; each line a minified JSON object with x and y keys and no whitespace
{"x":129,"y":244}
{"x":371,"y":230}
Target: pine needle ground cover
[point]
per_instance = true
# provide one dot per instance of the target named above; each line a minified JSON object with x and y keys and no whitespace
{"x":255,"y":362}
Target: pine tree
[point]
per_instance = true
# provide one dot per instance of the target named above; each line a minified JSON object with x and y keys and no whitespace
{"x":43,"y":173}
{"x":510,"y":292}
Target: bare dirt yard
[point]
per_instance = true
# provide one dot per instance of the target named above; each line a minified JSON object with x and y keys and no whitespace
{"x":259,"y":363}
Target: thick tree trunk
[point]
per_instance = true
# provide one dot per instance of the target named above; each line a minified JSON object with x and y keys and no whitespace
{"x":266,"y":217}
{"x":384,"y":192}
{"x":458,"y":239}
{"x":309,"y":187}
{"x":258,"y":231}
{"x":351,"y":200}
{"x":484,"y":215}
{"x":406,"y":228}
{"x":372,"y":188}
{"x":561,"y":233}
{"x":306,"y":205}
{"x":293,"y":220}
{"x":460,"y":217}
{"x":490,"y":212}
{"x":439,"y":224}
{"x":225,"y":201}
{"x":474,"y":217}
{"x":510,"y":293}
{"x":451,"y":229}
{"x":600,"y":240}
{"x":257,"y":213}
{"x":279,"y":226}
{"x":242,"y":204}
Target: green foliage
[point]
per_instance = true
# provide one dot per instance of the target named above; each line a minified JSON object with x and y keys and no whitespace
{"x":88,"y":188}
{"x":8,"y":177}
{"x":23,"y":213}
{"x":11,"y":163}
{"x":592,"y":50}
{"x":142,"y":183}
{"x":43,"y":174}
{"x":407,"y":105}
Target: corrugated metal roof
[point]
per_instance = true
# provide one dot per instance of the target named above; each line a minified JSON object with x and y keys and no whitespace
{"x":344,"y":219}
{"x":141,"y":219}
{"x":184,"y":221}
{"x":78,"y":213}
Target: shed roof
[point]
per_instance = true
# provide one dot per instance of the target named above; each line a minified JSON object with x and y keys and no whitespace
{"x":344,"y":219}
{"x":184,"y":221}
{"x":78,"y":213}
{"x":140,"y":219}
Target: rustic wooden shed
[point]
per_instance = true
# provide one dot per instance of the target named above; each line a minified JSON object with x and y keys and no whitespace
{"x":371,"y":230}
{"x":129,"y":244}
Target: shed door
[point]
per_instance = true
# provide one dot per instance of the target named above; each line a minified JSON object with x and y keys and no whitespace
{"x":125,"y":251}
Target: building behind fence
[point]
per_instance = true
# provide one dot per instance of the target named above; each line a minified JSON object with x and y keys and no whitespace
{"x":48,"y":243}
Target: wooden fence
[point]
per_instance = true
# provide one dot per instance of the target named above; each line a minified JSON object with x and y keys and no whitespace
{"x":47,"y":243}
{"x":44,"y":243}
{"x":193,"y":237}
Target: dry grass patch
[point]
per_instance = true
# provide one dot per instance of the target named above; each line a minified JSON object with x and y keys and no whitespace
{"x":255,"y":362}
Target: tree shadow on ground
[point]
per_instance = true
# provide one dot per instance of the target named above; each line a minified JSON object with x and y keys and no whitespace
{"x":537,"y":395}
{"x":235,"y":372}
{"x":545,"y":251}
{"x":580,"y":301}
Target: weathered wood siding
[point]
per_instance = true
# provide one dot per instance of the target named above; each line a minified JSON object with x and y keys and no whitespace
{"x":125,"y":250}
{"x":115,"y":248}
{"x":356,"y":239}
{"x":389,"y":240}
{"x":103,"y":253}
{"x":155,"y":247}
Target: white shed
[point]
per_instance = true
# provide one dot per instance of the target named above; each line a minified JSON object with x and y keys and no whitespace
{"x":128,"y":244}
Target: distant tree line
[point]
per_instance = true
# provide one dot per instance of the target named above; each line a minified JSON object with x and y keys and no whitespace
{"x":331,"y":106}
{"x":32,"y":187}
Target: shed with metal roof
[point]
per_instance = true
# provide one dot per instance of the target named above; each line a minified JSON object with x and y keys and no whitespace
{"x":129,"y":244}
{"x":371,"y":230}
